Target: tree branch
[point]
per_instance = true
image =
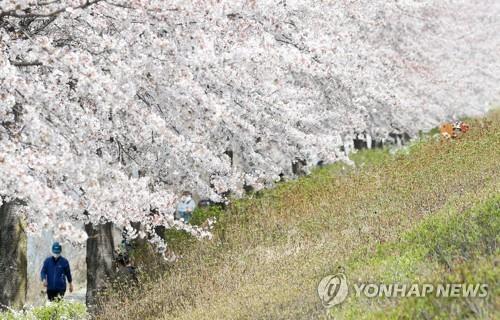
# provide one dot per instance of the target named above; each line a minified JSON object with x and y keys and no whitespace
{"x":26,"y":63}
{"x":45,"y":24}
{"x":14,"y":14}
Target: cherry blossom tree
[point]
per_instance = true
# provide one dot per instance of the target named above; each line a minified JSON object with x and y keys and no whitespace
{"x":109,"y":108}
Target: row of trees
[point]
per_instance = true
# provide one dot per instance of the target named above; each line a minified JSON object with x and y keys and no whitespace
{"x":108,"y":108}
{"x":14,"y":278}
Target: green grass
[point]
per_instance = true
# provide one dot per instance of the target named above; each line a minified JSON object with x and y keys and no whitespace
{"x":51,"y":311}
{"x":370,"y":156}
{"x":179,"y":240}
{"x":416,"y":215}
{"x":448,"y":247}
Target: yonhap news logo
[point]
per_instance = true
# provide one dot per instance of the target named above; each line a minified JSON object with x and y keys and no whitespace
{"x":417,"y":290}
{"x":334,"y":289}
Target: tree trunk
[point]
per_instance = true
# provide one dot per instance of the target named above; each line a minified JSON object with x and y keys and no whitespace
{"x":100,"y":257}
{"x":13,"y":262}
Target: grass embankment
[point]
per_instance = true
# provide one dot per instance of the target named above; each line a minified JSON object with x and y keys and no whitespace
{"x":427,"y":214}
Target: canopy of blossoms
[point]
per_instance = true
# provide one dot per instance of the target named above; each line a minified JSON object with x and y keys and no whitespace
{"x":108,"y":108}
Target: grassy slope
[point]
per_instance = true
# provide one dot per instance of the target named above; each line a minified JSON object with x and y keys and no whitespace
{"x":429,"y":214}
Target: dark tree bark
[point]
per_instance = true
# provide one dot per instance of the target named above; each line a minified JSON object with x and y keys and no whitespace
{"x":100,"y":257}
{"x":298,"y":167}
{"x":13,"y":261}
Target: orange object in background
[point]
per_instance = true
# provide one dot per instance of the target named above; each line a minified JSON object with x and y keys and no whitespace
{"x":446,"y":130}
{"x":453,"y":130}
{"x":464,"y":127}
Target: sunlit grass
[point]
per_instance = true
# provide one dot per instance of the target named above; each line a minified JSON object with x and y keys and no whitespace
{"x":447,"y":247}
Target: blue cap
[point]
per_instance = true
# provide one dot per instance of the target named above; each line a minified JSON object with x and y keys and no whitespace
{"x":56,"y":248}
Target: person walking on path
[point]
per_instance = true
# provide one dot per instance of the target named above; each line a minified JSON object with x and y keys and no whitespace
{"x":54,"y":273}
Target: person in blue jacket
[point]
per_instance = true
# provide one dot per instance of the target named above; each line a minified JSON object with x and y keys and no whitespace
{"x":54,"y":273}
{"x":185,"y":207}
